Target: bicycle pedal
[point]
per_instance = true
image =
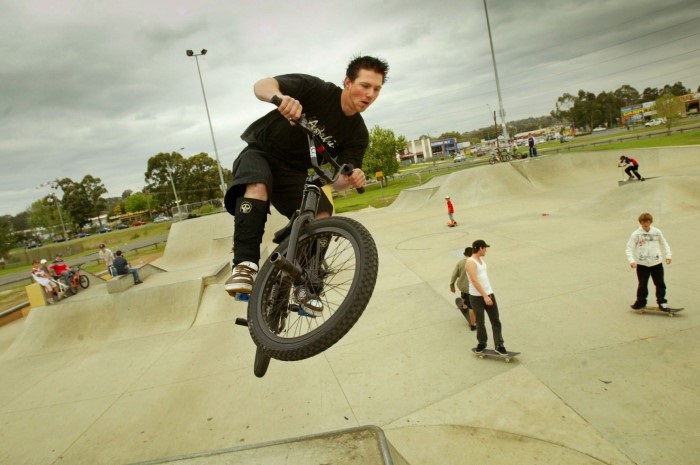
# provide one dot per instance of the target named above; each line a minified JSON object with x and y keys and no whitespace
{"x":302,"y":312}
{"x":241,"y":322}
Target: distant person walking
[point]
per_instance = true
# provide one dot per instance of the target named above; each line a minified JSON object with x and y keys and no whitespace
{"x":645,"y":254}
{"x":107,"y":257}
{"x":631,"y":167}
{"x":460,"y":278}
{"x":531,"y":146}
{"x":483,"y":300}
{"x":450,"y":211}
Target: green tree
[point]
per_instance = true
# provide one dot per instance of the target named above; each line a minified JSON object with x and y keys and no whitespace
{"x":7,"y":236}
{"x":676,"y":89}
{"x":670,"y":108}
{"x":381,"y":154}
{"x":157,"y":176}
{"x":83,"y":200}
{"x":627,"y":95}
{"x":139,"y":202}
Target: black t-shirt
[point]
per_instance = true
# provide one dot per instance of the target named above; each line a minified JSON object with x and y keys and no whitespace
{"x":345,"y":137}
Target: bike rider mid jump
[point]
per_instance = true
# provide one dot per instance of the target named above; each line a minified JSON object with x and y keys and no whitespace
{"x":272,"y":169}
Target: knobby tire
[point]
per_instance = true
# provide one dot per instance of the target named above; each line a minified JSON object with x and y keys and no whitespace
{"x":344,"y":281}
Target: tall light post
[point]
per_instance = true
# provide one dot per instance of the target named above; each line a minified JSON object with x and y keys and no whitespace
{"x":171,"y":170}
{"x":501,"y":111}
{"x":222,"y":185}
{"x":52,"y":199}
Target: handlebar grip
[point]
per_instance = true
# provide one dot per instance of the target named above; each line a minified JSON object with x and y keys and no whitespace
{"x":276,"y":100}
{"x":347,"y":170}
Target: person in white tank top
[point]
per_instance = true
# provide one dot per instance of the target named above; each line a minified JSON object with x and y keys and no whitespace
{"x":483,"y":299}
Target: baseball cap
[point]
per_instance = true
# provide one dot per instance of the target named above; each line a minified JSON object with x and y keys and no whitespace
{"x":479,"y":243}
{"x":43,"y":261}
{"x":447,"y":196}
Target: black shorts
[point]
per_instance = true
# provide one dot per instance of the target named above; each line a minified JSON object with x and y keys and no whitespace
{"x":285,"y":184}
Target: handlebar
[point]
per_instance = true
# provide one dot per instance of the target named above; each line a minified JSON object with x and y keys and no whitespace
{"x":345,"y":169}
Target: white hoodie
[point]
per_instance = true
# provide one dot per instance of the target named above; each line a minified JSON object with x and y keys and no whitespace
{"x":644,"y":248}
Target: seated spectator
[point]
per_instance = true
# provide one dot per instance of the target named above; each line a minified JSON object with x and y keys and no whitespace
{"x":121,"y":266}
{"x":61,"y":269}
{"x":44,"y":280}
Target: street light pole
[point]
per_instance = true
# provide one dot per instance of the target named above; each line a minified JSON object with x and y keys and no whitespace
{"x":60,"y":215}
{"x":501,"y":111}
{"x":172,"y":183}
{"x":190,"y":53}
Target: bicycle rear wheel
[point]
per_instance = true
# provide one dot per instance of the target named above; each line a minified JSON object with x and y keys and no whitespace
{"x":84,"y":281}
{"x":339,"y":261}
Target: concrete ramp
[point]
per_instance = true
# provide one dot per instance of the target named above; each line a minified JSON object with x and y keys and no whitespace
{"x":140,"y":312}
{"x":357,"y":446}
{"x":161,"y":370}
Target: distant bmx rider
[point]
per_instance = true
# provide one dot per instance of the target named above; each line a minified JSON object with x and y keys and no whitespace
{"x":631,"y":167}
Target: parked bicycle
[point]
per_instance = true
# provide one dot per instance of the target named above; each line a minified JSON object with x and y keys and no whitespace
{"x":499,"y":156}
{"x":333,"y":258}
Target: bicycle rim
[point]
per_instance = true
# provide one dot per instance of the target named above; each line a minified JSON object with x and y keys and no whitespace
{"x":340,"y":263}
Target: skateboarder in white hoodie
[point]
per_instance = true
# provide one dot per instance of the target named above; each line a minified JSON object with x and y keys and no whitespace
{"x":644,"y":253}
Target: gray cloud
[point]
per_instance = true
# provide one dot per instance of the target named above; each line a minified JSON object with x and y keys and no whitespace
{"x":98,"y":88}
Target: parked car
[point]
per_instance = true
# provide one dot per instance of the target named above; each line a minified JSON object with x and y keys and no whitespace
{"x":161,"y":219}
{"x":459,"y":158}
{"x":82,"y":234}
{"x":599,"y":128}
{"x":104,"y":230}
{"x":122,"y":226}
{"x":138,"y":223}
{"x":563,"y":139}
{"x":32,"y":244}
{"x":655,"y":122}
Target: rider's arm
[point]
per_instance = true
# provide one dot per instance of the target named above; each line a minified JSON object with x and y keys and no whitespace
{"x":267,"y":88}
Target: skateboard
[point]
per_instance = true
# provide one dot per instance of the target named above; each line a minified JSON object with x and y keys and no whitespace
{"x":451,"y":224}
{"x":465,"y":313}
{"x":656,"y":311}
{"x":493,"y":353}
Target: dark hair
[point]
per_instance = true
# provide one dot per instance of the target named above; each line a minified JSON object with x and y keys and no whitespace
{"x":468,"y":252}
{"x":118,"y":253}
{"x":366,"y":62}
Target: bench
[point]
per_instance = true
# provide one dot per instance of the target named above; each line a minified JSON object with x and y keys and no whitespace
{"x":121,"y":283}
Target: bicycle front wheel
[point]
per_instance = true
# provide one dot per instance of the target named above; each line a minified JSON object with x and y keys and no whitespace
{"x":339,"y":261}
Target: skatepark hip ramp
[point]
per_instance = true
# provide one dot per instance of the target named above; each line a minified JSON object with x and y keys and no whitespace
{"x":160,"y":373}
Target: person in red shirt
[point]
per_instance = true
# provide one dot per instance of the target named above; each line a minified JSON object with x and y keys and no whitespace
{"x":61,"y":268}
{"x":631,"y":167}
{"x":450,"y":211}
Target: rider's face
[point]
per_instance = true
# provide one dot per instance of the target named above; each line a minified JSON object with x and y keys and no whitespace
{"x":359,"y":94}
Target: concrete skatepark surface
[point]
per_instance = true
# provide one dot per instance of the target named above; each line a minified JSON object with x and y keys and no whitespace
{"x":160,"y":370}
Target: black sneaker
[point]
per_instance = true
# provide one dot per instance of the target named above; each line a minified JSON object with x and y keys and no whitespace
{"x":473,"y":327}
{"x":637,"y":306}
{"x":479,"y":348}
{"x":501,"y":350}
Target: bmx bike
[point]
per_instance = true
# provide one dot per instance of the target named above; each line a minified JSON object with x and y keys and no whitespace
{"x":72,"y":283}
{"x":333,"y":259}
{"x":499,"y":156}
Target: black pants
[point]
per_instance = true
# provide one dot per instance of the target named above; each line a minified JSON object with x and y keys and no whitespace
{"x":479,"y":307}
{"x":633,"y":170}
{"x":657,"y":276}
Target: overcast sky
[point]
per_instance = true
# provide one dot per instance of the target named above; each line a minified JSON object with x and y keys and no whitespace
{"x":96,"y":87}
